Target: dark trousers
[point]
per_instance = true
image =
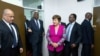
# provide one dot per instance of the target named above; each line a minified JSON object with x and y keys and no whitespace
{"x":86,"y":50}
{"x":37,"y":49}
{"x":68,"y":51}
{"x":54,"y":53}
{"x":10,"y":52}
{"x":28,"y":46}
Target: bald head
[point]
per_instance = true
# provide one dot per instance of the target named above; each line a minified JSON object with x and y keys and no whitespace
{"x":8,"y":15}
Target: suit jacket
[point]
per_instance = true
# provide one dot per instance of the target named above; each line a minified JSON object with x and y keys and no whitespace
{"x":56,"y":37}
{"x":62,"y":23}
{"x":6,"y":37}
{"x":87,"y":32}
{"x":26,"y":29}
{"x":75,"y":34}
{"x":36,"y":35}
{"x":26,"y":24}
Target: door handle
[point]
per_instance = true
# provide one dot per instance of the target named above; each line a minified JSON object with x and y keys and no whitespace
{"x":94,"y":27}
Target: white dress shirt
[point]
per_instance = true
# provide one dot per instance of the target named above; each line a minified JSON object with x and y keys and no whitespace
{"x":70,"y":31}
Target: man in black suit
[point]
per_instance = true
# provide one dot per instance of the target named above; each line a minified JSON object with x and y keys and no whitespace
{"x":73,"y":37}
{"x":26,"y":27}
{"x":27,"y":35}
{"x":36,"y":34}
{"x":10,"y":42}
{"x":87,"y":35}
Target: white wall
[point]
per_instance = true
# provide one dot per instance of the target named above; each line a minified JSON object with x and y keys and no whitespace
{"x":72,"y":6}
{"x":64,"y":8}
{"x":15,"y":2}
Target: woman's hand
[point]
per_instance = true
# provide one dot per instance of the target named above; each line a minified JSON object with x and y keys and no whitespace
{"x":55,"y":45}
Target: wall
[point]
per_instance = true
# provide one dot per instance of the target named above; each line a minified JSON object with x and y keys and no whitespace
{"x":64,"y":8}
{"x":72,"y":6}
{"x":14,"y":2}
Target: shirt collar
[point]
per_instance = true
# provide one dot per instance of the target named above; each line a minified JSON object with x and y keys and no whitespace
{"x":72,"y":23}
{"x":87,"y":19}
{"x":36,"y":20}
{"x":5,"y":21}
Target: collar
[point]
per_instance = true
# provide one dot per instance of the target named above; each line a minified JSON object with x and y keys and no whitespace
{"x":87,"y":19}
{"x":73,"y":23}
{"x":36,"y":20}
{"x":5,"y":21}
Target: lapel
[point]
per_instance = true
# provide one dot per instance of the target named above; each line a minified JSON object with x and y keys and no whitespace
{"x":15,"y":27}
{"x":73,"y":28}
{"x":89,"y":23}
{"x":67,"y":25}
{"x":6,"y":27}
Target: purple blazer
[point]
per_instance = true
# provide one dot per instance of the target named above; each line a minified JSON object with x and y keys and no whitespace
{"x":57,"y":38}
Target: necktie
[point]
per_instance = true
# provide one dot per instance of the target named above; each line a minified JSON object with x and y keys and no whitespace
{"x":37,"y":24}
{"x":14,"y":37}
{"x":68,"y":32}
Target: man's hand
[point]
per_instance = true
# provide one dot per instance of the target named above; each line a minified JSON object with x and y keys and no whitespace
{"x":73,"y":45}
{"x":21,"y":50}
{"x":92,"y":46}
{"x":29,"y":30}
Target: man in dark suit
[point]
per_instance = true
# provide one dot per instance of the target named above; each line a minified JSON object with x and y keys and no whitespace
{"x":26,"y":27}
{"x":73,"y":37}
{"x":87,"y":35}
{"x":27,"y":35}
{"x":10,"y":42}
{"x":36,"y":34}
